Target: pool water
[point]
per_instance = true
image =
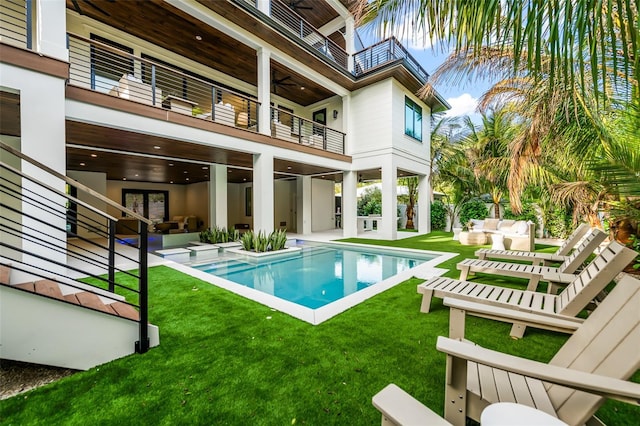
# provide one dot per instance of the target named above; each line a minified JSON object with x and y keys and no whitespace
{"x":316,"y":275}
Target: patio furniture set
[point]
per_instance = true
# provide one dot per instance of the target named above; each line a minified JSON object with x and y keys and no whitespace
{"x":494,"y":388}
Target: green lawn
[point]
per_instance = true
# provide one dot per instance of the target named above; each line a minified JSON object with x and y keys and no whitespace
{"x":223,"y":359}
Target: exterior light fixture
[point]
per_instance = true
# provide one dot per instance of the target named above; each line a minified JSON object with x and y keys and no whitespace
{"x":198,"y":37}
{"x":335,"y":114}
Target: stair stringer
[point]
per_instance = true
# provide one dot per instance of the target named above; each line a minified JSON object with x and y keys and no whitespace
{"x":41,"y":330}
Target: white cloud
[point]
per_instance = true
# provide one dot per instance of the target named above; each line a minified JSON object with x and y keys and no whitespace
{"x":464,"y":104}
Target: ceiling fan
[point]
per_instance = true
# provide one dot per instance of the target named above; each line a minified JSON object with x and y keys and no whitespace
{"x":294,"y":4}
{"x":76,"y":6}
{"x":279,"y":82}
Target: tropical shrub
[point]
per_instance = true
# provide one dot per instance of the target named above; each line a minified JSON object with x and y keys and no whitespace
{"x":438,"y":215}
{"x":370,"y":202}
{"x":528,"y":213}
{"x":473,"y":209}
{"x":260,"y":242}
{"x":247,"y":241}
{"x":558,"y":223}
{"x":219,"y":235}
{"x":278,"y":239}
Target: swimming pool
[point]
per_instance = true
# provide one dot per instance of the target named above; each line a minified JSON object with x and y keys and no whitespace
{"x":319,"y":280}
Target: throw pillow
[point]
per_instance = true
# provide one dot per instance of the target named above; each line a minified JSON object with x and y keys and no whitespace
{"x":477,"y":224}
{"x":506,"y":224}
{"x":520,"y":227}
{"x":491,"y":224}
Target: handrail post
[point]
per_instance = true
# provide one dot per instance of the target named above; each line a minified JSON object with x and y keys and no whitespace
{"x":142,"y":345}
{"x":29,"y":23}
{"x":153,"y":84}
{"x":112,"y":255}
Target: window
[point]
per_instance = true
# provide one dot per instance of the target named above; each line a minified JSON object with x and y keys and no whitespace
{"x":412,"y":119}
{"x":153,"y":205}
{"x":107,"y":66}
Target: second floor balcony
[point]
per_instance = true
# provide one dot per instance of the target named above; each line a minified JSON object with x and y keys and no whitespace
{"x":99,"y":66}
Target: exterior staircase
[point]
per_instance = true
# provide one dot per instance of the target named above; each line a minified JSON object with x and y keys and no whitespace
{"x":62,"y":294}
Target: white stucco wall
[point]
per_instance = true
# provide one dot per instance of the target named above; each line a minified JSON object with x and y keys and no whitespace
{"x":97,"y":182}
{"x":370,"y":119}
{"x":323,"y":202}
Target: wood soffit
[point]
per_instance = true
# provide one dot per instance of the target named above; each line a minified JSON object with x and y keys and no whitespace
{"x":125,"y":152}
{"x":219,"y":51}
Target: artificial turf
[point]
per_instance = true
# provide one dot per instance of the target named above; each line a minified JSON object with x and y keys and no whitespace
{"x":224,"y":359}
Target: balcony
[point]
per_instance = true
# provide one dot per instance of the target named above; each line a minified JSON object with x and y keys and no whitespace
{"x":386,"y":52}
{"x":15,"y":28}
{"x":290,"y":127}
{"x":101,"y":67}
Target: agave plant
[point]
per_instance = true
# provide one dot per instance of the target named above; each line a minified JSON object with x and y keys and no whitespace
{"x":278,"y":239}
{"x":260,"y":242}
{"x":234,"y":234}
{"x":206,"y":236}
{"x":247,"y":241}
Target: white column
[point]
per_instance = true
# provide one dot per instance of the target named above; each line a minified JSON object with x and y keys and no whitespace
{"x":350,"y":204}
{"x":350,"y":43}
{"x":424,"y":205}
{"x":50,"y":38}
{"x":218,"y":196}
{"x":263,"y":192}
{"x":346,"y":124}
{"x":388,"y":229}
{"x":264,"y":6}
{"x":303,"y":207}
{"x":264,"y":90}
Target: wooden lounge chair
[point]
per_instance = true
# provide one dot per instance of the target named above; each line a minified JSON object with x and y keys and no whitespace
{"x":562,"y":274}
{"x":573,"y":299}
{"x":594,"y":364}
{"x":539,"y":258}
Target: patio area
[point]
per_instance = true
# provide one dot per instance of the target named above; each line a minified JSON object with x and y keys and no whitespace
{"x":225,"y":359}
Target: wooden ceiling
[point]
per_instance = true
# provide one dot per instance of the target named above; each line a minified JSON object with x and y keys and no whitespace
{"x":122,"y":154}
{"x":153,"y":20}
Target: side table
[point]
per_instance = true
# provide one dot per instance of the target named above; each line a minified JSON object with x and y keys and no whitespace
{"x":456,"y":234}
{"x":472,"y":238}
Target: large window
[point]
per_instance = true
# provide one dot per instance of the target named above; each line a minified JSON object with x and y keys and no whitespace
{"x":412,"y":119}
{"x":153,"y":205}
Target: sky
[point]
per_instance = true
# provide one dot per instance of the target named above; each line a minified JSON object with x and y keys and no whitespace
{"x":462,"y":98}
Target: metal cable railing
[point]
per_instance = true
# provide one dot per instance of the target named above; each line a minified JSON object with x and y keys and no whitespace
{"x":383,"y":53}
{"x":308,"y":33}
{"x":15,"y":22}
{"x":292,"y":128}
{"x":49,"y":234}
{"x":103,"y":68}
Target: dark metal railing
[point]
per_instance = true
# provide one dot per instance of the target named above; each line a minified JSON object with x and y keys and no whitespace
{"x":50,"y":234}
{"x":383,"y":53}
{"x":292,"y":128}
{"x":308,"y":33}
{"x":103,"y":68}
{"x":16,"y":22}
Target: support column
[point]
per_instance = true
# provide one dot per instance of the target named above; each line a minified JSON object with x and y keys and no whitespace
{"x":263,"y":192}
{"x":218,"y":196}
{"x":349,"y":204}
{"x":388,"y":229}
{"x":350,"y":44}
{"x":424,"y":205}
{"x":264,"y":91}
{"x":346,"y":124}
{"x":303,"y":207}
{"x":51,"y":29}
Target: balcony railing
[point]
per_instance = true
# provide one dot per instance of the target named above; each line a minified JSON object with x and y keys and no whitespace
{"x":292,"y":128}
{"x":15,"y":23}
{"x":308,"y":33}
{"x":103,"y":68}
{"x":383,"y":53}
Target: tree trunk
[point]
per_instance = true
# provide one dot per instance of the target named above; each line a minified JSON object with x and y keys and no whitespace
{"x":409,"y":224}
{"x":496,"y":211}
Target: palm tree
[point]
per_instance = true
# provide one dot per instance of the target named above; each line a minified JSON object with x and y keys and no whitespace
{"x":583,"y":40}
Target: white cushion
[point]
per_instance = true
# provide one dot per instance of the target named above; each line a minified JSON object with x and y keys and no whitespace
{"x":477,"y":223}
{"x":506,"y":224}
{"x":520,"y":227}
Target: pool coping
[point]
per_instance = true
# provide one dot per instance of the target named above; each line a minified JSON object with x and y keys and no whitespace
{"x":317,"y":316}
